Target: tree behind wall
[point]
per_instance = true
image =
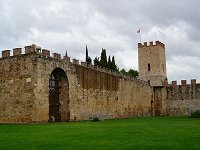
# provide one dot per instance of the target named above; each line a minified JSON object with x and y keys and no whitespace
{"x":66,"y":53}
{"x":109,"y":63}
{"x":113,"y":66}
{"x":123,"y":71}
{"x":131,"y":72}
{"x":87,"y":57}
{"x":96,"y":61}
{"x":103,"y":61}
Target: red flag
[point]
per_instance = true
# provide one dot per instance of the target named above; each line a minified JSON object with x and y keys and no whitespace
{"x":138,"y":31}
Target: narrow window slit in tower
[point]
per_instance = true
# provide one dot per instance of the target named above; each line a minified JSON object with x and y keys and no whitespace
{"x":149,"y":67}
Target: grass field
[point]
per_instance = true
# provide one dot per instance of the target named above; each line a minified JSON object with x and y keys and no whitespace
{"x":138,"y":133}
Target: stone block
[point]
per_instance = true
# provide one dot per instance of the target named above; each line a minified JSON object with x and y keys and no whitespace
{"x":174,"y":83}
{"x":56,"y":56}
{"x":29,"y":49}
{"x":46,"y":53}
{"x":75,"y":61}
{"x":183,"y":82}
{"x":193,"y":82}
{"x":5,"y":53}
{"x":17,"y":51}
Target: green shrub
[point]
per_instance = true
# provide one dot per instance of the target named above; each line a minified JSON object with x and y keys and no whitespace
{"x":195,"y":114}
{"x":96,"y":119}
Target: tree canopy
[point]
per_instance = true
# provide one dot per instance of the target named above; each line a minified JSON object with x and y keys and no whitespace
{"x":109,"y":63}
{"x":130,"y":72}
{"x":96,"y":61}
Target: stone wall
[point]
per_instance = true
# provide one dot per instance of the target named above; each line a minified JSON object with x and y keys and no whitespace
{"x":181,"y":99}
{"x":17,"y":84}
{"x":86,"y":91}
{"x":93,"y":91}
{"x":105,"y":95}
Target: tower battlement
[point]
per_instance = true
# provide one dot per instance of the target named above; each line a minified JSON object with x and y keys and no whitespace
{"x":152,"y":62}
{"x":146,"y":44}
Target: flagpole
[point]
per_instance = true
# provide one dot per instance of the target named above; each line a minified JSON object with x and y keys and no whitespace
{"x":140,"y":35}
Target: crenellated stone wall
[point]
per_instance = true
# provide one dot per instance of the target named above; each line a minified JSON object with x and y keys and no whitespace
{"x":93,"y":91}
{"x":181,"y":99}
{"x":85,"y":91}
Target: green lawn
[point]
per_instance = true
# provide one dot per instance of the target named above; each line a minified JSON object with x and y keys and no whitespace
{"x":137,"y":133}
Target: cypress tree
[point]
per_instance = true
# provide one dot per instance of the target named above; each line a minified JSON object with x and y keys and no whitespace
{"x":114,"y":66}
{"x":86,"y":57}
{"x":109,"y":63}
{"x":89,"y":61}
{"x":103,"y":61}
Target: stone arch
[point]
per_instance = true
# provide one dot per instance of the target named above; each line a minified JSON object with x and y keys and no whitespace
{"x":58,"y":96}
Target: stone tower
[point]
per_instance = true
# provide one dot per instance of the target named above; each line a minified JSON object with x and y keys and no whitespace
{"x":152,"y":63}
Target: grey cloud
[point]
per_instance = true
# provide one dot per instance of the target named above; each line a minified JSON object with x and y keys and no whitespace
{"x":112,"y":24}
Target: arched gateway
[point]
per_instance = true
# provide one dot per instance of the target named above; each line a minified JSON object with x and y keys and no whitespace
{"x":58,"y":96}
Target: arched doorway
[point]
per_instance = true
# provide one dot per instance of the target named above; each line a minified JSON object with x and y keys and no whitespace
{"x":58,"y":96}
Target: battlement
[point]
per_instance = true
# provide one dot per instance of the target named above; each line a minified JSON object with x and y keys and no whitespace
{"x":45,"y":53}
{"x":183,"y":83}
{"x":145,"y":44}
{"x":33,"y":49}
{"x":182,"y":93}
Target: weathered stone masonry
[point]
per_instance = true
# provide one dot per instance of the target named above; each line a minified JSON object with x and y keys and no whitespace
{"x":181,"y":99}
{"x":169,"y":99}
{"x":85,"y":93}
{"x":37,"y":87}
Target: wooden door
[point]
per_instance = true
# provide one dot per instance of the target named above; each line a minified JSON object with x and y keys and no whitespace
{"x":54,"y":104}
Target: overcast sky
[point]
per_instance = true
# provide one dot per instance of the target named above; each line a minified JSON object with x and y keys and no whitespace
{"x":61,"y":25}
